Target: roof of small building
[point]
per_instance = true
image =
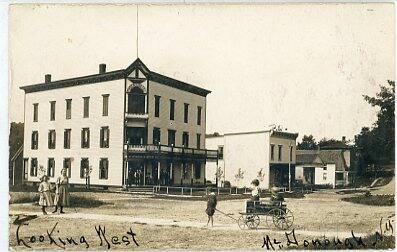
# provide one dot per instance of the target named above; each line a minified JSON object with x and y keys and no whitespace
{"x":313,"y":157}
{"x":117,"y":75}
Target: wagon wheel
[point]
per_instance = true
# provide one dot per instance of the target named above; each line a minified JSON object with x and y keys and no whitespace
{"x":253,"y":221}
{"x":283,"y":219}
{"x":242,"y":223}
{"x":271,"y":215}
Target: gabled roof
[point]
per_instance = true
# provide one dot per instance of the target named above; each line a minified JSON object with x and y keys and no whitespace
{"x":117,"y":75}
{"x":322,"y":157}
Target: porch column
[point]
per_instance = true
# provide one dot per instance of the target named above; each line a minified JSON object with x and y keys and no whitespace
{"x":191,"y":175}
{"x":171,"y":171}
{"x":144,"y":172}
{"x":158,"y":172}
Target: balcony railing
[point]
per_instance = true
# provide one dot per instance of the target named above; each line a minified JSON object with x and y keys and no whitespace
{"x":177,"y":151}
{"x":136,"y":115}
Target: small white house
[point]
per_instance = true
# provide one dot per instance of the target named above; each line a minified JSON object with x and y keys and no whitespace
{"x":321,"y":167}
{"x":268,"y":156}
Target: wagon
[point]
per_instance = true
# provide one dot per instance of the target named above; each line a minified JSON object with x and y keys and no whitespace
{"x":275,"y":212}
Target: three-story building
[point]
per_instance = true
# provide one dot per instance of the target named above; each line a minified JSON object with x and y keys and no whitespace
{"x":129,"y":126}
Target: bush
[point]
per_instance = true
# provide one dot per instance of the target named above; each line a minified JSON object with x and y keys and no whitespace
{"x":24,"y":197}
{"x":226,"y":184}
{"x":373,"y":200}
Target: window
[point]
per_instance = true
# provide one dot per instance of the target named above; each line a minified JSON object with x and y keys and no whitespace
{"x":172,"y":109}
{"x":324,"y":168}
{"x":171,"y":137}
{"x":198,"y":141}
{"x":198,"y":115}
{"x":85,"y":138}
{"x":136,"y":101}
{"x":324,"y":176}
{"x":35,"y":112}
{"x":84,"y":167}
{"x":186,"y":113}
{"x":272,"y":151}
{"x":35,"y":140}
{"x":103,"y":168}
{"x":86,"y":112}
{"x":51,"y":167}
{"x":220,"y":152}
{"x":68,"y":108}
{"x":105,"y":105}
{"x":185,"y":139}
{"x":51,"y":139}
{"x":67,"y":164}
{"x":33,"y":167}
{"x":197,"y":170}
{"x":339,"y":176}
{"x":291,"y":148}
{"x":157,"y":106}
{"x":104,"y":135}
{"x":156,"y":136}
{"x":25,"y":168}
{"x":280,"y":148}
{"x":52,"y":110}
{"x":66,"y":138}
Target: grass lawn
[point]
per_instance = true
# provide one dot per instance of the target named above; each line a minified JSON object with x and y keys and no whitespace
{"x":373,"y":200}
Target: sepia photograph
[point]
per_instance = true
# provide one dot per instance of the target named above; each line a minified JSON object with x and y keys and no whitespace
{"x":266,"y":126}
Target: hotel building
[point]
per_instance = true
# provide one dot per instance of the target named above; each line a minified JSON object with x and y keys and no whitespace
{"x":129,"y":126}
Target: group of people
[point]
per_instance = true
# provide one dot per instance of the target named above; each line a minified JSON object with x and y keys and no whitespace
{"x":255,"y":196}
{"x":61,"y":198}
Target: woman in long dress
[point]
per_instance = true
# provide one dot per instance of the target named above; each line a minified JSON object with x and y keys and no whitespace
{"x":45,"y":194}
{"x":61,"y":192}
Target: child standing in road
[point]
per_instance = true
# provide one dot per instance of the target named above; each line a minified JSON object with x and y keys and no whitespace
{"x":211,"y":206}
{"x":45,"y":194}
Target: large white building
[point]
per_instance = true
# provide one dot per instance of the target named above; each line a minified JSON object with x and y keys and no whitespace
{"x":265,"y":155}
{"x":129,"y":126}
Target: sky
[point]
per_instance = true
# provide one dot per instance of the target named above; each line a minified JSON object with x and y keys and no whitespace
{"x":303,"y":66}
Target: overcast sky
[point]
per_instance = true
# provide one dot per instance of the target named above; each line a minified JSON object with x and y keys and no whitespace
{"x":303,"y":66}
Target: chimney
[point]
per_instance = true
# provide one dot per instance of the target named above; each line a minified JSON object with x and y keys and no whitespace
{"x":102,"y":68}
{"x":344,"y":139}
{"x":47,"y":78}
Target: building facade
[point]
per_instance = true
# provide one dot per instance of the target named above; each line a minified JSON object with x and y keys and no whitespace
{"x":120,"y":128}
{"x":265,"y":155}
{"x":323,"y":167}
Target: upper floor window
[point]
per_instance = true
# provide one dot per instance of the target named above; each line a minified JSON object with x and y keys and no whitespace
{"x":280,"y":151}
{"x":105,"y":105}
{"x":51,"y":167}
{"x":104,"y":136}
{"x":185,"y":139}
{"x":186,"y":113}
{"x":157,"y":106}
{"x":84,"y":167}
{"x":86,"y":109}
{"x":198,"y":115}
{"x":171,"y":137}
{"x":272,"y":151}
{"x":85,"y":138}
{"x":51,"y":139}
{"x":103,"y":168}
{"x":68,"y":108}
{"x":33,"y":167}
{"x":156,"y":136}
{"x":35,"y":140}
{"x":66,"y":138}
{"x":198,"y":141}
{"x":52,"y":110}
{"x":172,"y":109}
{"x":67,"y":165}
{"x":136,"y":101}
{"x":35,"y":112}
